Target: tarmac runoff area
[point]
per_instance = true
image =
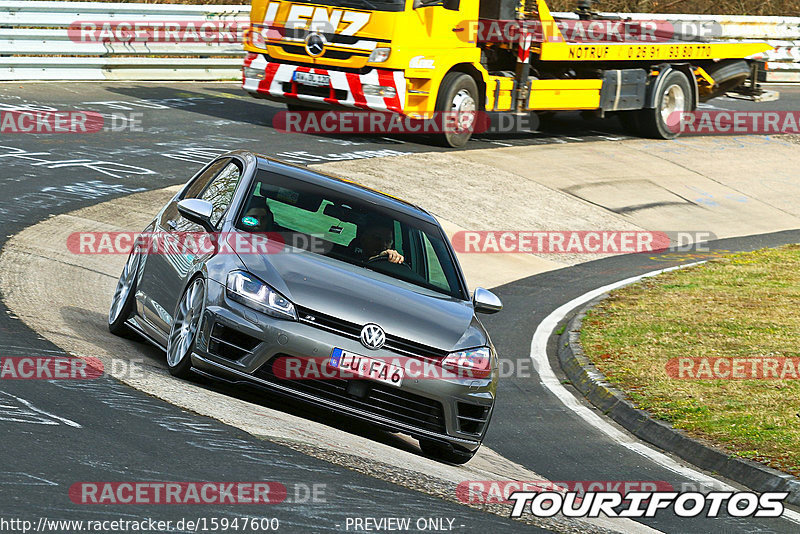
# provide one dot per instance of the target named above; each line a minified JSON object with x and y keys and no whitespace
{"x":728,"y":186}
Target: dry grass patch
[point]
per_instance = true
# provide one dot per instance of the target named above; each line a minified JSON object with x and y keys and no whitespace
{"x":741,"y":306}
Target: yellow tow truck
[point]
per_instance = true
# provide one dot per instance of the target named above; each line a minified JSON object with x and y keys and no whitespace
{"x":420,"y":57}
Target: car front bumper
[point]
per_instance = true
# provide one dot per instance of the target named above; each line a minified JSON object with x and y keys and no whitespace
{"x":240,"y":345}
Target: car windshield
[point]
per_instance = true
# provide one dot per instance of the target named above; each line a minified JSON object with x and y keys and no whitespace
{"x":372,"y":5}
{"x":324,"y":221}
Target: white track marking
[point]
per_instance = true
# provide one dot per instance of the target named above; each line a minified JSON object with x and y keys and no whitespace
{"x":549,"y":379}
{"x":31,"y":407}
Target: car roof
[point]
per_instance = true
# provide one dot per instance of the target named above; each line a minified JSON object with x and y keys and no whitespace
{"x":341,"y":185}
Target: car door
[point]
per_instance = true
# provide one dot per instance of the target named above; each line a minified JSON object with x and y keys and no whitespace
{"x":168,"y":270}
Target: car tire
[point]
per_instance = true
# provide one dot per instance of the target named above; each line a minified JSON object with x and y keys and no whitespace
{"x":727,"y":75}
{"x":674,"y":95}
{"x":443,"y":453}
{"x":458,"y":93}
{"x":186,"y":323}
{"x":124,"y":299}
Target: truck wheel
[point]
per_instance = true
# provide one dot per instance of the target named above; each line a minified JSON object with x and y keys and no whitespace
{"x":674,"y":96}
{"x":727,"y":75}
{"x":458,"y":95}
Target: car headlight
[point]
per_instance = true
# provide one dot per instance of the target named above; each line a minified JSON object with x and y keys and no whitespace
{"x":379,"y":55}
{"x":474,"y":363}
{"x":244,"y":288}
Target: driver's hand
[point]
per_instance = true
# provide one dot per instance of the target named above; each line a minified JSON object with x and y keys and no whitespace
{"x":393,"y":256}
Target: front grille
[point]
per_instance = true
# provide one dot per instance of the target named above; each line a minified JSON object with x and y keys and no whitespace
{"x":381,"y":400}
{"x":472,"y":417}
{"x":229,"y":343}
{"x":328,"y":54}
{"x":353,"y":331}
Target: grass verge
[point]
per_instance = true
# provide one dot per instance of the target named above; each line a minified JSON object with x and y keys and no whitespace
{"x":745,"y":306}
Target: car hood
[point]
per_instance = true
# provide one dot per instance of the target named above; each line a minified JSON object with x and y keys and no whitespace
{"x":362,"y":296}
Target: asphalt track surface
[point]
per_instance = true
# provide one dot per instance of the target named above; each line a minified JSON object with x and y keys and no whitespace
{"x":126,"y":435}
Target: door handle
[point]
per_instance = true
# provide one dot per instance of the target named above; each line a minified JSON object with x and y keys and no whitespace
{"x":172,"y":224}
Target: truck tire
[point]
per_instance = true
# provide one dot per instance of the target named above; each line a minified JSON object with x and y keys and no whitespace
{"x":458,"y":94}
{"x":727,"y":75}
{"x":674,"y":96}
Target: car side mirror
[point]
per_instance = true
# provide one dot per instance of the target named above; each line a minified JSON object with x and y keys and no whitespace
{"x":198,"y":211}
{"x":484,"y":301}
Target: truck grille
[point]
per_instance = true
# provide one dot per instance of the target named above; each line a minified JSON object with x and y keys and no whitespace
{"x":385,"y":401}
{"x":328,"y":54}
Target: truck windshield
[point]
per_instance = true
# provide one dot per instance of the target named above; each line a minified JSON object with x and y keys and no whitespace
{"x":373,"y":5}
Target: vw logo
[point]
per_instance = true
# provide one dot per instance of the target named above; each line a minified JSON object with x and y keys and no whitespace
{"x":373,"y":336}
{"x":315,"y":44}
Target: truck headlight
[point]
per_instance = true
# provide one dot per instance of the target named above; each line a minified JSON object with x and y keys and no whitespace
{"x":244,"y":288}
{"x":379,"y":55}
{"x":473,"y":363}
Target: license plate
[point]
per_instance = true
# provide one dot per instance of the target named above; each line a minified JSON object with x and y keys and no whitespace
{"x":366,"y":367}
{"x":308,"y":78}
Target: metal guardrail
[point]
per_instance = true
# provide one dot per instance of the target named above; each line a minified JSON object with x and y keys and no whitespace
{"x":36,"y":43}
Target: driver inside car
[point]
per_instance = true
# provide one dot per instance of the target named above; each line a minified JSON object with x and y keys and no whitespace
{"x":258,"y":218}
{"x":374,"y":240}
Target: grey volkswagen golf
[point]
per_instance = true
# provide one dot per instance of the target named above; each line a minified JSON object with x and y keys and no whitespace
{"x":273,"y":275}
